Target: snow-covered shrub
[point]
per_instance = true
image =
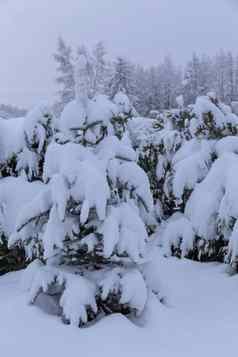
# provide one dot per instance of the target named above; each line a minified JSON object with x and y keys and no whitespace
{"x":212,"y":208}
{"x":15,"y":192}
{"x":213,"y":119}
{"x":203,"y":177}
{"x":88,"y":226}
{"x":211,"y":122}
{"x":23,"y":143}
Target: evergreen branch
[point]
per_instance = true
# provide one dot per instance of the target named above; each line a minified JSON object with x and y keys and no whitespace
{"x":32,"y":219}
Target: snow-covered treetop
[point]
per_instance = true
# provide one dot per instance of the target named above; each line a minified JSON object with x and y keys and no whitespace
{"x":24,"y":141}
{"x":88,"y":118}
{"x":37,"y":127}
{"x":212,"y":118}
{"x":123,"y":103}
{"x":92,"y":117}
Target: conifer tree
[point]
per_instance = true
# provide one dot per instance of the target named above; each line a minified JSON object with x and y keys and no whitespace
{"x":22,"y":158}
{"x":101,"y":70}
{"x":65,"y":78}
{"x":123,"y":78}
{"x":203,"y":171}
{"x":87,"y":228}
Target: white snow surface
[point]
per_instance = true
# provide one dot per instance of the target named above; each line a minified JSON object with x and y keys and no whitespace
{"x":199,"y":318}
{"x":227,"y":144}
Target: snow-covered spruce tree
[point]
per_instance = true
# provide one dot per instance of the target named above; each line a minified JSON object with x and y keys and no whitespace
{"x":204,"y":166}
{"x":22,"y":149}
{"x":86,"y":228}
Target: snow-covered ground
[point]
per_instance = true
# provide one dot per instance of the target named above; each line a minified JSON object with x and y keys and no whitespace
{"x":200,"y":318}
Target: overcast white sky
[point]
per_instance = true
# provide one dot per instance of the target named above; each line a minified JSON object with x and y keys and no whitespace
{"x":142,"y":30}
